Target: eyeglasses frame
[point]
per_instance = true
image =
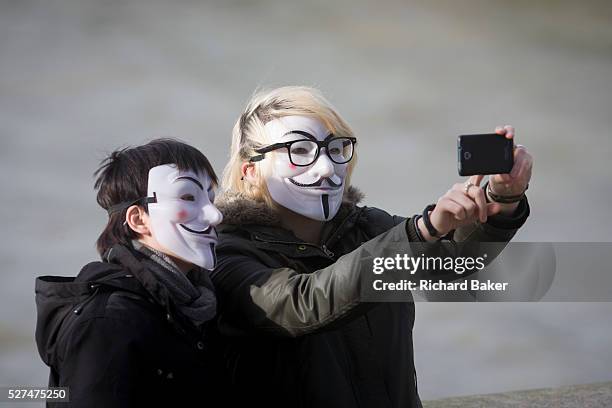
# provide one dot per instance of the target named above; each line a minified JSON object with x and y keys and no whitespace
{"x":320,"y":144}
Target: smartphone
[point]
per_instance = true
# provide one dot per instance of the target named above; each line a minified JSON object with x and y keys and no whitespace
{"x":488,"y":153}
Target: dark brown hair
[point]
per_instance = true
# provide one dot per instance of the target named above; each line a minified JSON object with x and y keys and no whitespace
{"x":124,"y":175}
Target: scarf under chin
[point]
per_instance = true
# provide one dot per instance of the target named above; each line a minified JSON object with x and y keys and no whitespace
{"x":196,"y":302}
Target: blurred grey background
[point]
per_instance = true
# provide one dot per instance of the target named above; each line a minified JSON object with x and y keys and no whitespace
{"x":79,"y":78}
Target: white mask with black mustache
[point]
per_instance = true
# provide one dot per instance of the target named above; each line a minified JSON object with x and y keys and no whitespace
{"x":314,"y":191}
{"x":183,"y":217}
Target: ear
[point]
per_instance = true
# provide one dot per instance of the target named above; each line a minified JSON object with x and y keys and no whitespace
{"x":138,"y":220}
{"x":248,"y":172}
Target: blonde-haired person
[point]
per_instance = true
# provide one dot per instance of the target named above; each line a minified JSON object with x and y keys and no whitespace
{"x":288,"y":279}
{"x":249,"y":134}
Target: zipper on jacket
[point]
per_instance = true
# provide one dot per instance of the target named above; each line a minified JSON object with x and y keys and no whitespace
{"x":327,"y":251}
{"x":96,"y":288}
{"x":323,"y":248}
{"x":339,"y":227}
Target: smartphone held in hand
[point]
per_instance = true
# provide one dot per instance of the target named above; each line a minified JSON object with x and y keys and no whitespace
{"x":487,"y":153}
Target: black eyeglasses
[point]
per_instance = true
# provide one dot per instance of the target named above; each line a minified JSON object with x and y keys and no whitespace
{"x":304,"y":152}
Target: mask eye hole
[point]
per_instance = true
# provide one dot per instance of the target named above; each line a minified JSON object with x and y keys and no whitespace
{"x":300,"y":150}
{"x":187,"y":197}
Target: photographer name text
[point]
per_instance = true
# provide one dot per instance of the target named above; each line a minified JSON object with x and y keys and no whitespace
{"x":431,"y":285}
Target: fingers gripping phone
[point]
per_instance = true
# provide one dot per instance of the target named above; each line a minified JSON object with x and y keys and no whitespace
{"x":488,"y":153}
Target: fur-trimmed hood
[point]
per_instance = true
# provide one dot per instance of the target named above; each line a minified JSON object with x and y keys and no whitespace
{"x":238,"y":209}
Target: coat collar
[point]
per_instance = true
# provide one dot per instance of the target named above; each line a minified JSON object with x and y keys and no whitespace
{"x":263,"y":224}
{"x":238,"y":209}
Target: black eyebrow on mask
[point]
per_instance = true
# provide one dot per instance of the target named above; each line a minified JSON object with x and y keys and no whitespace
{"x":306,"y":134}
{"x":192,"y":179}
{"x":301,"y":132}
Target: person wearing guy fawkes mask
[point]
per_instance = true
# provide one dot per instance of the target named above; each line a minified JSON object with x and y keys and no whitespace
{"x":132,"y":329}
{"x":288,"y":276}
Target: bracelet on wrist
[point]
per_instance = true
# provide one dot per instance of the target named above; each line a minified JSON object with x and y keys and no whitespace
{"x":502,"y":199}
{"x":430,"y":228}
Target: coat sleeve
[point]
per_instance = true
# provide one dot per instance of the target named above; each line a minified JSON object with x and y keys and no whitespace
{"x":283,"y":302}
{"x":101,"y":364}
{"x":498,"y":228}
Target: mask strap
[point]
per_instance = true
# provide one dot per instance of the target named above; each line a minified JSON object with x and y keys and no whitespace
{"x":127,"y":204}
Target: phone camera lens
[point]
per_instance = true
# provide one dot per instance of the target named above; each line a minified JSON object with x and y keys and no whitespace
{"x":467,"y":155}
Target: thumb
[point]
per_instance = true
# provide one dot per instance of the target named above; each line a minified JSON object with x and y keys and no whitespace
{"x":493,"y":208}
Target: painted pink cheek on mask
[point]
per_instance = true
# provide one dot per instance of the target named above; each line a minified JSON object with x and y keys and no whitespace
{"x":181,"y":215}
{"x":292,"y":166}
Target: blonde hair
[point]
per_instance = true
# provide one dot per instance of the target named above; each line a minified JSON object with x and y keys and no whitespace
{"x":249,"y":134}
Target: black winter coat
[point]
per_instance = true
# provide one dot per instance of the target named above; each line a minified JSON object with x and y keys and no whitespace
{"x":295,"y":332}
{"x":112,"y":336}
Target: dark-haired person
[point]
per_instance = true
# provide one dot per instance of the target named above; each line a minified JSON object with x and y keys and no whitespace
{"x":131,"y":329}
{"x":290,"y":251}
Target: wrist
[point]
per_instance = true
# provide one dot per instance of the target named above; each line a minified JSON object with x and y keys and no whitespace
{"x":508,"y":197}
{"x":505,"y":207}
{"x":420,"y":224}
{"x":434,"y":232}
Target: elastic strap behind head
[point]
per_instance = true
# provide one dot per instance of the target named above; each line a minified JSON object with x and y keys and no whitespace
{"x":127,"y":204}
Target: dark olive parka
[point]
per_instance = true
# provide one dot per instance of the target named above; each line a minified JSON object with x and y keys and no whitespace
{"x":295,"y":333}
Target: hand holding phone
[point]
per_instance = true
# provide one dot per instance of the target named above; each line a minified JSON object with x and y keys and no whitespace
{"x":510,"y":167}
{"x":508,"y":178}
